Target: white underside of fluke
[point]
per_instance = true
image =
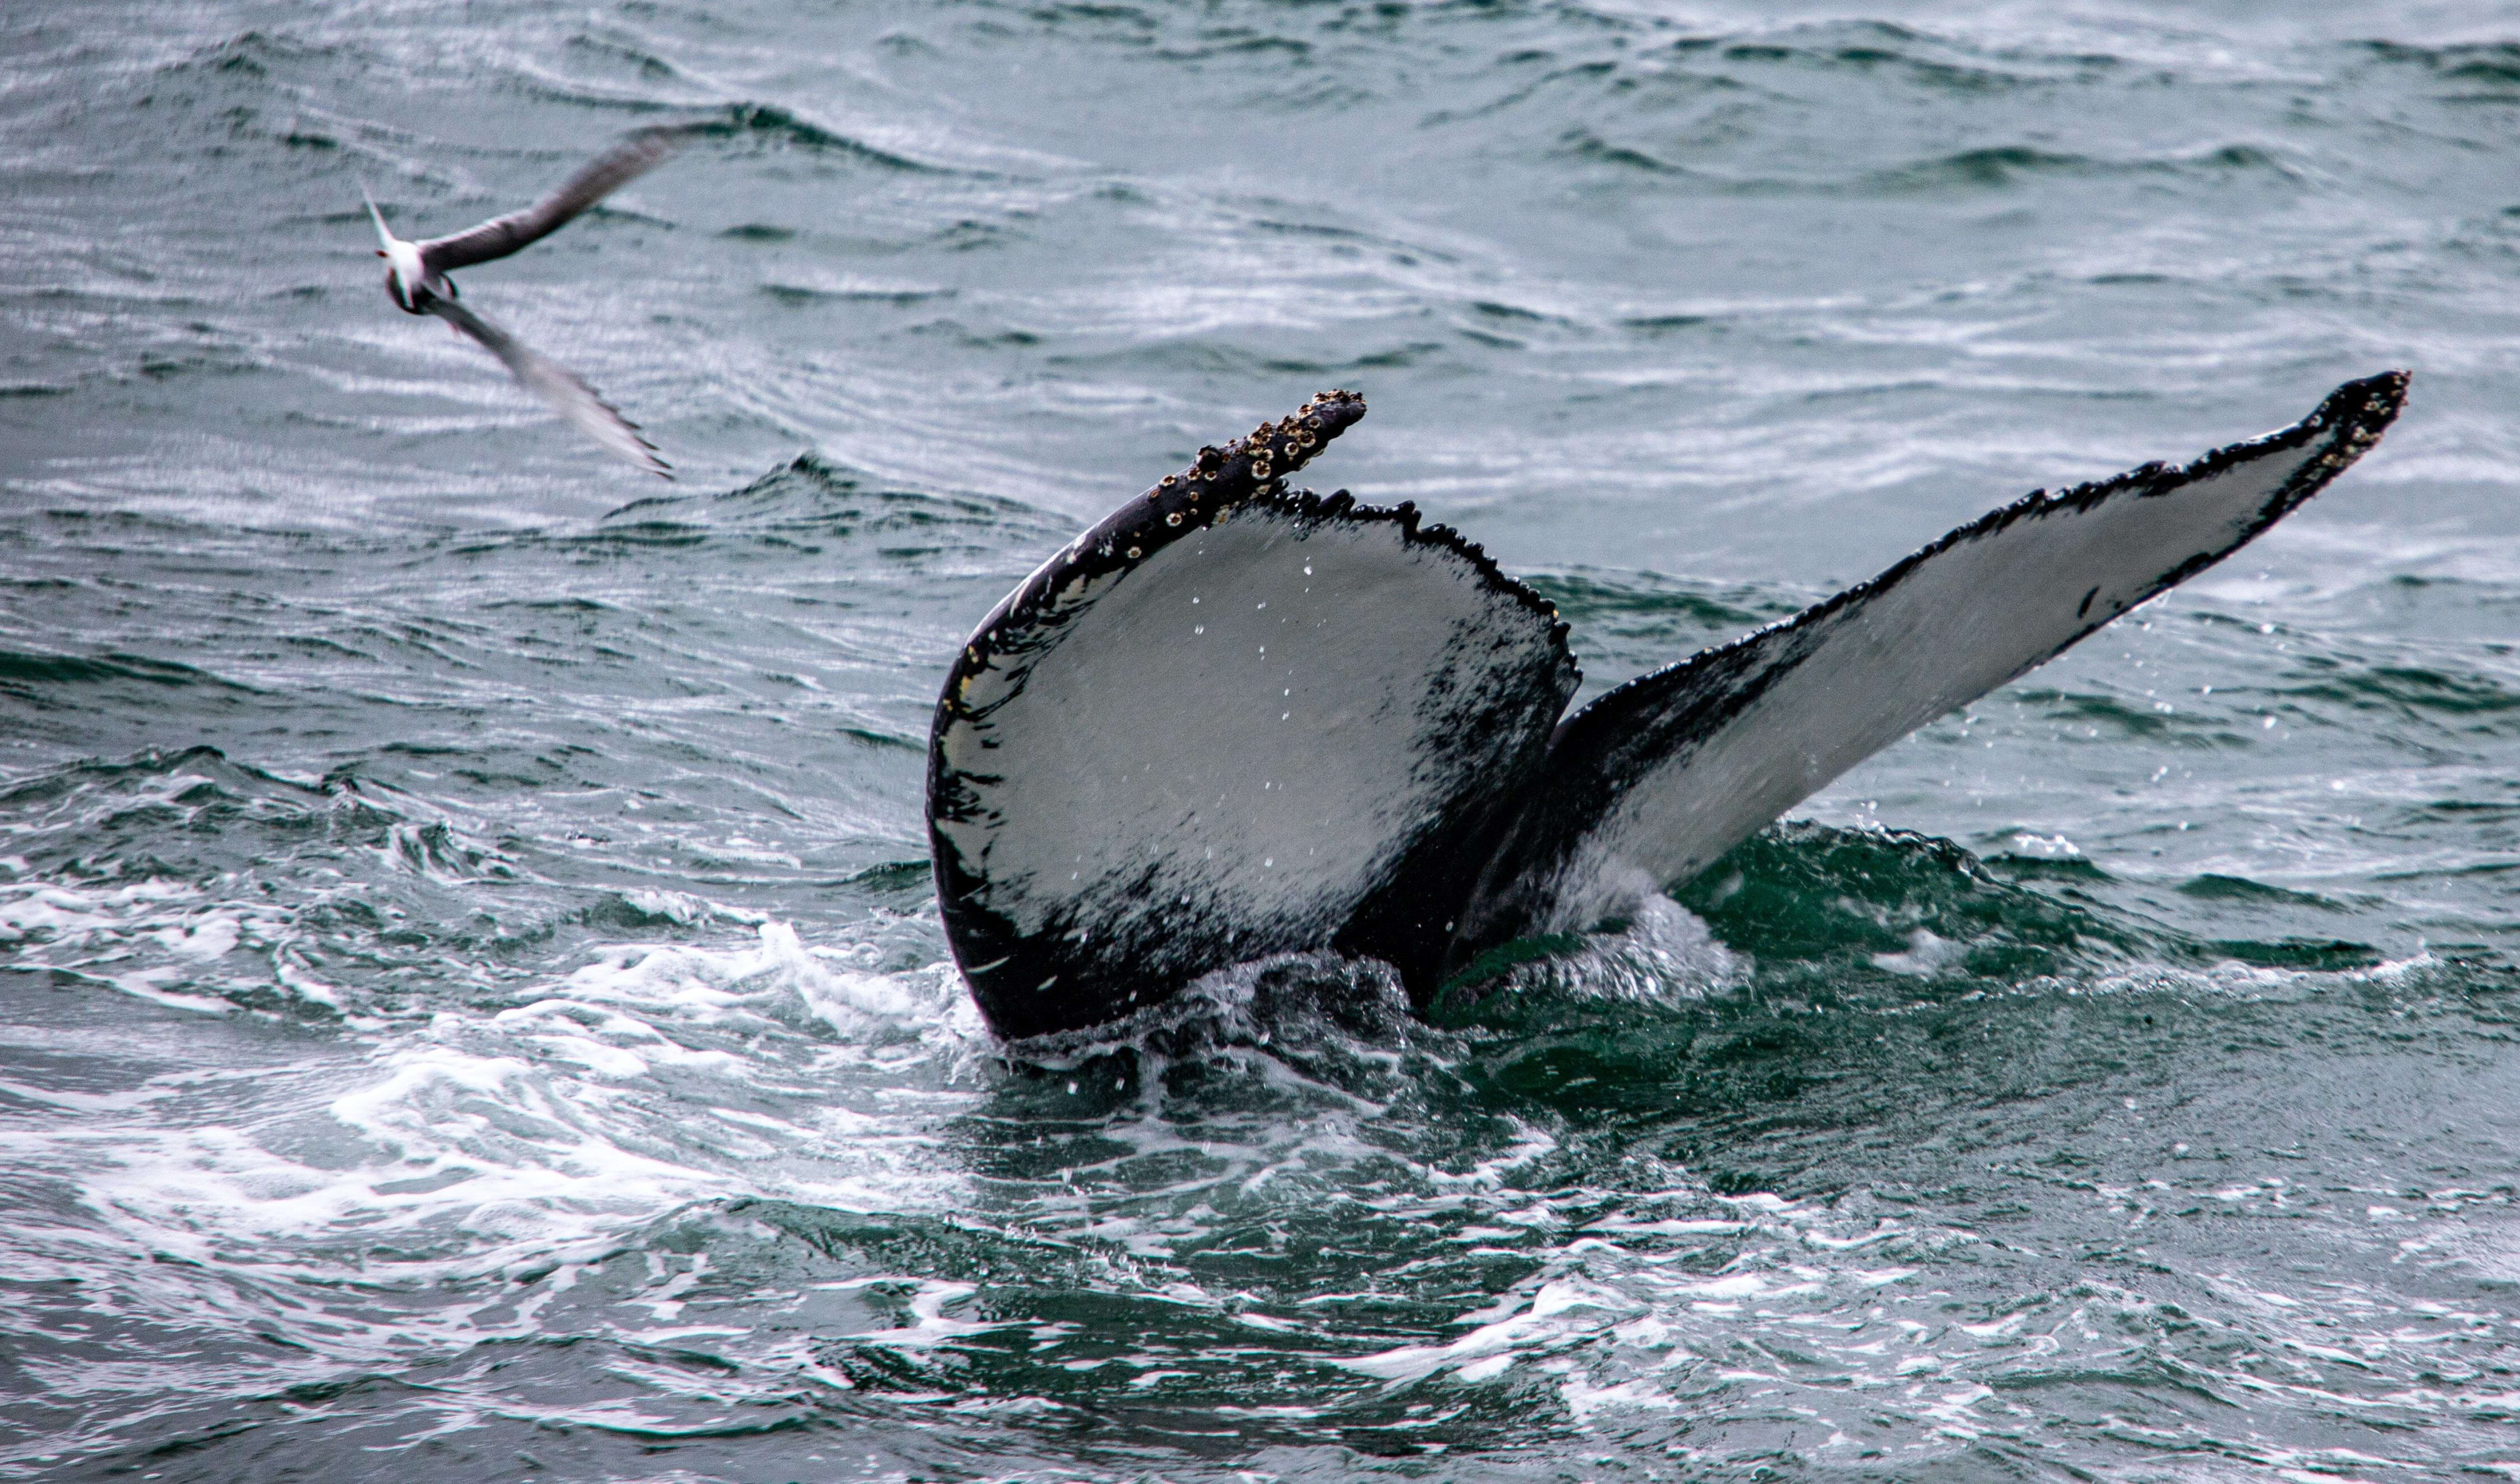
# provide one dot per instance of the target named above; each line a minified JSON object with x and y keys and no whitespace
{"x":1655,"y":781}
{"x":1218,"y":752}
{"x":1960,"y":625}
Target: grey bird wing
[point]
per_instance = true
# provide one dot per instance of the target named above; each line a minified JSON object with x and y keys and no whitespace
{"x":637,"y":152}
{"x":556,"y":384}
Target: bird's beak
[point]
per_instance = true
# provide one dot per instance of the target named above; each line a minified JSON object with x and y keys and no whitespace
{"x":384,"y":236}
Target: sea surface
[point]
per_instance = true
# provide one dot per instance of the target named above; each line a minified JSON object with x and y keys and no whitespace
{"x":472,"y":1000}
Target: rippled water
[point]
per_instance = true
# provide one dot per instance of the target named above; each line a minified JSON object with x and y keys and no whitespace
{"x":474,"y":1005}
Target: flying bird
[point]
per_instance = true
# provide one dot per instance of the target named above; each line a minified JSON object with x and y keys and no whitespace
{"x":416,"y":281}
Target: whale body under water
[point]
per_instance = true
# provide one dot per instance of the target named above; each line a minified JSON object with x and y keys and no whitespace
{"x":1235,"y":720}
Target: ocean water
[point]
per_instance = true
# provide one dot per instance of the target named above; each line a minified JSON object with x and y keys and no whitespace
{"x":473,"y":1005}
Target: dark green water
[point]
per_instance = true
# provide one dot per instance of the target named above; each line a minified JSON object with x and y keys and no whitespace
{"x":474,"y":1004}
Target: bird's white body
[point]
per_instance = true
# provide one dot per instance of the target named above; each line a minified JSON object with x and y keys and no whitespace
{"x":408,"y":280}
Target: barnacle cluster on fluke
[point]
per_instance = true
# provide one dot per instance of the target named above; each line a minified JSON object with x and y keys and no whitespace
{"x":1214,"y":481}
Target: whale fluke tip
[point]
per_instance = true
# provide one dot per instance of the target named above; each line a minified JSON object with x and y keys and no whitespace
{"x":2373,"y":400}
{"x":2384,"y":395}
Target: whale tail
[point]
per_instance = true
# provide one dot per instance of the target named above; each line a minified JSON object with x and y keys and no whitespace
{"x":1231,"y":721}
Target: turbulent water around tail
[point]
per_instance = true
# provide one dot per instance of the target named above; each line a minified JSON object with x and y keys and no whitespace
{"x":473,"y":1005}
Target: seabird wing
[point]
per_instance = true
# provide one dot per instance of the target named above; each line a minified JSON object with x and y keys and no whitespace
{"x":637,"y":152}
{"x":1222,"y":725}
{"x":556,"y":384}
{"x":1649,"y":784}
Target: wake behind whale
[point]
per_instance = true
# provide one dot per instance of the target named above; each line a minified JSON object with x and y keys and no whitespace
{"x":1233,"y":720}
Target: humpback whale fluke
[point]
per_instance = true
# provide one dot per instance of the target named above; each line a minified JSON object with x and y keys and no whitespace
{"x":1231,"y":721}
{"x":416,"y":281}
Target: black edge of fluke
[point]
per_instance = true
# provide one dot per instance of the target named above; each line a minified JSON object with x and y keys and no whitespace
{"x":987,"y":949}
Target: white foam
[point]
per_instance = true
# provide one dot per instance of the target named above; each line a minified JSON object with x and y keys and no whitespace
{"x":1560,"y":1313}
{"x":481,"y":1142}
